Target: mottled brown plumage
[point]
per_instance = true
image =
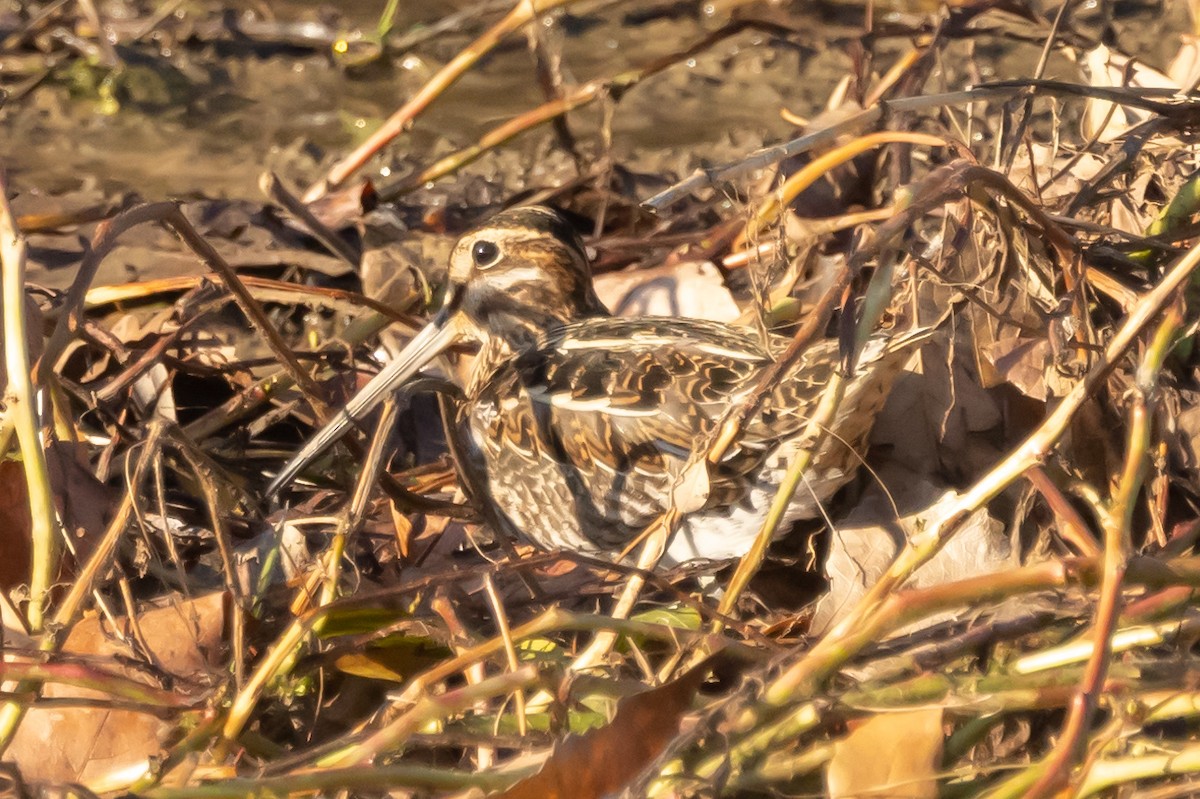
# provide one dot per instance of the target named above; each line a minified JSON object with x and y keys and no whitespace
{"x":575,"y":425}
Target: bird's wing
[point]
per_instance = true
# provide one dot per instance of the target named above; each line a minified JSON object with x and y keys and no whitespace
{"x":619,"y":406}
{"x":625,"y":403}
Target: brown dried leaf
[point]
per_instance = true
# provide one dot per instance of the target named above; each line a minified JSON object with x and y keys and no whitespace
{"x":404,"y":529}
{"x":33,"y":336}
{"x":83,"y":502}
{"x":1034,"y":168}
{"x":694,"y":289}
{"x":344,"y":206}
{"x":15,"y":526}
{"x":890,"y":754}
{"x":865,"y":543}
{"x":394,"y":271}
{"x":934,"y":415}
{"x":240,"y":231}
{"x":603,"y":761}
{"x":1184,"y":69}
{"x":1028,"y":365}
{"x":1020,"y":362}
{"x":185,"y":640}
{"x":1109,"y":68}
{"x":1187,"y":428}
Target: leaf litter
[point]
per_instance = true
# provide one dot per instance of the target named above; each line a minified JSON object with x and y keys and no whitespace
{"x":999,"y":605}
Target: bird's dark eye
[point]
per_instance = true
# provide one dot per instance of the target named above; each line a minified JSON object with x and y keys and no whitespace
{"x":485,"y":253}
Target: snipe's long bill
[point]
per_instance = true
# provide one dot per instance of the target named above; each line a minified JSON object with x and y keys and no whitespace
{"x":575,"y":425}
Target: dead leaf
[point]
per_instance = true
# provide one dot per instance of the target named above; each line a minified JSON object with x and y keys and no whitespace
{"x":84,"y":503}
{"x":603,"y":761}
{"x":33,"y":336}
{"x":15,"y":524}
{"x":1184,"y":69}
{"x":1187,"y":425}
{"x":1020,"y":362}
{"x":937,"y":416}
{"x":285,"y":551}
{"x":1108,"y":68}
{"x":395,"y":659}
{"x":693,"y":289}
{"x":897,"y":755}
{"x":344,"y":206}
{"x":1051,"y":172}
{"x":865,"y":543}
{"x":1028,"y":365}
{"x":403,"y":527}
{"x":185,"y":640}
{"x":241,"y":231}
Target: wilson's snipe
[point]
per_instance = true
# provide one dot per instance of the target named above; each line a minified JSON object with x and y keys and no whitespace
{"x":575,"y":424}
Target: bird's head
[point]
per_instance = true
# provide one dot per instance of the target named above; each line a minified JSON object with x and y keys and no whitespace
{"x":519,"y":274}
{"x":522,"y":272}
